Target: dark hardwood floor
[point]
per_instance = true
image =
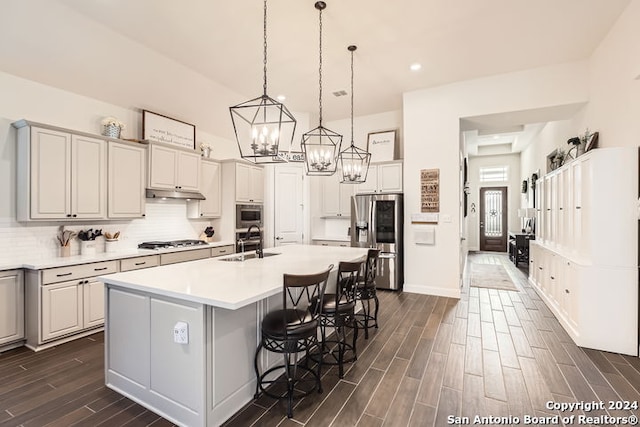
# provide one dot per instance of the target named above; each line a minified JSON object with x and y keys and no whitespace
{"x":493,"y":352}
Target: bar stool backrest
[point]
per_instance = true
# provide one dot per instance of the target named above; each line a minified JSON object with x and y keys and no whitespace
{"x":371,"y":267}
{"x":348,"y":277}
{"x":299,"y":291}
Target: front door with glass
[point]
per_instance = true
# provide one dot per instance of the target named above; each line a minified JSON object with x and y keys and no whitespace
{"x":493,"y":219}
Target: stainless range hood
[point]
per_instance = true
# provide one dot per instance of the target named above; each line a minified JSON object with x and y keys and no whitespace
{"x":173,"y":194}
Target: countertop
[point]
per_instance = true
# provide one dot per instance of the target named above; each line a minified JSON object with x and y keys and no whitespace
{"x":43,"y":262}
{"x":229,"y":284}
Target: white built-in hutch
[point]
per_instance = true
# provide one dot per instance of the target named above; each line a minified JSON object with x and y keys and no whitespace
{"x":584,"y":261}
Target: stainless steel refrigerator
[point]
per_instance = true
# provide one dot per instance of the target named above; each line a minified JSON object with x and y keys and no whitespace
{"x":377,"y":222}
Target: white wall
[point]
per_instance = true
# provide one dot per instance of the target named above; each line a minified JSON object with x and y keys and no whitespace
{"x":614,"y":68}
{"x":512,"y":161}
{"x":431,"y":140}
{"x":553,"y":136}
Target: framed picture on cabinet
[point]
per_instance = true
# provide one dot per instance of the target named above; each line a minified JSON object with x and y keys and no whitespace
{"x":592,"y":142}
{"x":381,"y":145}
{"x":159,"y":128}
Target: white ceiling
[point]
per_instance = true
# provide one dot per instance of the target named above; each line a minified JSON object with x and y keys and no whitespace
{"x":222,"y":41}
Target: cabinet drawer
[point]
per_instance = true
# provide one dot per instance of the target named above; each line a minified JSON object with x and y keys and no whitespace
{"x":72,"y":272}
{"x":173,"y":257}
{"x":137,"y":263}
{"x":222,"y":250}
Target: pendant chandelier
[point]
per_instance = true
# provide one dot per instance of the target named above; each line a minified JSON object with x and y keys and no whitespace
{"x":321,"y":145}
{"x":354,"y":161}
{"x":263,"y":125}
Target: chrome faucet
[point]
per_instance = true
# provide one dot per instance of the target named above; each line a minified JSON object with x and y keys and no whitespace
{"x":241,"y":243}
{"x":248,"y":235}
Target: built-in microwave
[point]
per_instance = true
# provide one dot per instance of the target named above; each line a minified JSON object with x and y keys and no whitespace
{"x":248,"y":215}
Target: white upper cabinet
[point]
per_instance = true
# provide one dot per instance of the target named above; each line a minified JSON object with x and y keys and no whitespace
{"x":210,"y":187}
{"x":383,"y":178}
{"x":336,"y":197}
{"x":61,"y":175}
{"x":173,"y":169}
{"x":249,"y":183}
{"x":127,"y":177}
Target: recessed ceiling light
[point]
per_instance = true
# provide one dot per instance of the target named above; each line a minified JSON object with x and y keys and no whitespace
{"x":415,"y":67}
{"x":281,"y":97}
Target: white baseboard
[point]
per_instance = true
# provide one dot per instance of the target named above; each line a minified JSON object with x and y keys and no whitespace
{"x":431,"y":290}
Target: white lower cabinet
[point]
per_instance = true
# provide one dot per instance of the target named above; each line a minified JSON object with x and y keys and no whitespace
{"x":11,"y":307}
{"x":61,"y":309}
{"x":596,"y":305}
{"x":72,"y":306}
{"x":63,"y":302}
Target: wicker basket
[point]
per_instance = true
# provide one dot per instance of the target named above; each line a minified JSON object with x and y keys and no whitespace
{"x":112,"y":131}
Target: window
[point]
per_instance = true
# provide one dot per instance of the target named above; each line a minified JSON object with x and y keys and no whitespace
{"x":494,"y":174}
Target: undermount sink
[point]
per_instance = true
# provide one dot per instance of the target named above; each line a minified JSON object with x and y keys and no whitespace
{"x":238,"y":258}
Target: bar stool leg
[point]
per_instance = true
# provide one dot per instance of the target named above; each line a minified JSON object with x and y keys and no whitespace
{"x":255,"y":365}
{"x":375,"y":316}
{"x":366,"y":312}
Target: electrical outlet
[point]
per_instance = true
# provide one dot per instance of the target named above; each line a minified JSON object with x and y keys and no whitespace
{"x":181,"y":333}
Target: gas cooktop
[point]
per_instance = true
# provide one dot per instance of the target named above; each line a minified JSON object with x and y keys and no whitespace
{"x":171,"y":244}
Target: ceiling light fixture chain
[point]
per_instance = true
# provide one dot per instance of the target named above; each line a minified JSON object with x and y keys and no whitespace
{"x":352,"y":49}
{"x":320,"y":6}
{"x":264,"y":61}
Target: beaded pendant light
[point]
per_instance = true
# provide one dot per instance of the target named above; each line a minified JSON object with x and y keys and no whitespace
{"x":264,"y":127}
{"x":321,"y":145}
{"x":354,"y":161}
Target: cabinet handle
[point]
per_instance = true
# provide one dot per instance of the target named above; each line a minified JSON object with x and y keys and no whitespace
{"x":100,"y":269}
{"x":74,"y":215}
{"x":540,"y":268}
{"x":141,"y":263}
{"x":577,"y":207}
{"x":223,"y":252}
{"x":144,"y":214}
{"x":64,"y":274}
{"x":68,"y":215}
{"x":553,"y":278}
{"x":566,"y":291}
{"x":560,"y":208}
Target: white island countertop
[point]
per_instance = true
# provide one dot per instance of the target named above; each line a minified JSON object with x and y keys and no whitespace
{"x":233,"y":284}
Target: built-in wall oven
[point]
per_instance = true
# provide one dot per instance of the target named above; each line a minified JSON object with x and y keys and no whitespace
{"x":248,"y":215}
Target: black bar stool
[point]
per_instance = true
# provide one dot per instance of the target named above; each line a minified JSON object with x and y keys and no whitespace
{"x":338,"y":312}
{"x":366,"y":291}
{"x":289,"y":331}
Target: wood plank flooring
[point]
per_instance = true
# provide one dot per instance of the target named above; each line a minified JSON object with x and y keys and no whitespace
{"x":493,"y":352}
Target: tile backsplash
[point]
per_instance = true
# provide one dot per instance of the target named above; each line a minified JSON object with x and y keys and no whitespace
{"x":164,"y":220}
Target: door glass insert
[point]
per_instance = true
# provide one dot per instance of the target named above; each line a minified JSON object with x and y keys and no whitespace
{"x":493,"y":213}
{"x":385,"y":220}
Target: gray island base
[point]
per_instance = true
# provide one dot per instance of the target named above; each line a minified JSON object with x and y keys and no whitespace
{"x":180,"y":339}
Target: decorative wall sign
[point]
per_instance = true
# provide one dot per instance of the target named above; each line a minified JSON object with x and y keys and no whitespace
{"x":292,"y":156}
{"x":430,"y":190}
{"x":381,"y":145}
{"x":159,"y":128}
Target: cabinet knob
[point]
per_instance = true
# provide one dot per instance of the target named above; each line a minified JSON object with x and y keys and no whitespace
{"x":553,"y":278}
{"x":144,"y":214}
{"x":566,"y":291}
{"x":74,"y":215}
{"x":68,"y":215}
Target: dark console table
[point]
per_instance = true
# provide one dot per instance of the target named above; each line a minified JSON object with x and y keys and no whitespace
{"x":519,"y":247}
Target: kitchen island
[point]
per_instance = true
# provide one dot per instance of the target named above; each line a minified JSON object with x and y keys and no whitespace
{"x":216,"y":306}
